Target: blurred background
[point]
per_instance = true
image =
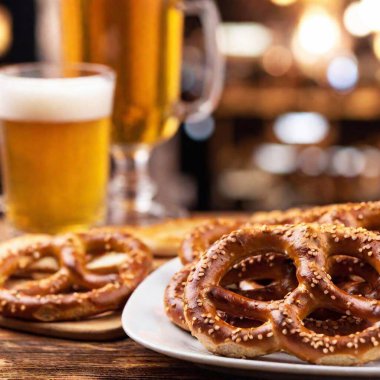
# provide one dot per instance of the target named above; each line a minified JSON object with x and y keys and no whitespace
{"x":298,"y":122}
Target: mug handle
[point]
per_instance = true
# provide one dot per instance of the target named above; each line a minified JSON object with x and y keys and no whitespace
{"x":209,"y":17}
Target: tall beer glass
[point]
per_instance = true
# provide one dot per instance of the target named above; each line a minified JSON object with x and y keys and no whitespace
{"x":142,"y":40}
{"x":55,"y":130}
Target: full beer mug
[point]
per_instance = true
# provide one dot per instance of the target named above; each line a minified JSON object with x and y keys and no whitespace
{"x":55,"y":132}
{"x":142,"y":41}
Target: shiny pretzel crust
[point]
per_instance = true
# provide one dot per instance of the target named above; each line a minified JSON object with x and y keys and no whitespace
{"x":52,"y":298}
{"x":309,"y":246}
{"x":364,"y":214}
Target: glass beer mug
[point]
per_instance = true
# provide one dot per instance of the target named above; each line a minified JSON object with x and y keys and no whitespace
{"x":141,"y":40}
{"x":55,"y":133}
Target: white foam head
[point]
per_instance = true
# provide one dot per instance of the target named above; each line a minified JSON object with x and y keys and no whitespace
{"x":55,"y":99}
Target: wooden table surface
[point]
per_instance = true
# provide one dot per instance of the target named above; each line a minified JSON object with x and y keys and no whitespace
{"x":25,"y":356}
{"x":28,"y":356}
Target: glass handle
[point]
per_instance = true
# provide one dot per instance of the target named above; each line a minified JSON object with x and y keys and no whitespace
{"x":209,"y":17}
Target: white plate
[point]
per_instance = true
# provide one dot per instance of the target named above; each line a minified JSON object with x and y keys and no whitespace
{"x":144,"y":320}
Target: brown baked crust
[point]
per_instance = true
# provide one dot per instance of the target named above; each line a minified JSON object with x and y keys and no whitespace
{"x":364,"y":214}
{"x":173,"y":297}
{"x":54,"y":298}
{"x":272,"y":266}
{"x":205,"y":234}
{"x":309,"y":246}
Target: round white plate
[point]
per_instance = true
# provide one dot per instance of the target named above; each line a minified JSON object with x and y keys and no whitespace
{"x":144,"y":320}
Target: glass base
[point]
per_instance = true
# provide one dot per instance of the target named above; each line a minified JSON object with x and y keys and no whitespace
{"x":123,"y":212}
{"x":132,"y":191}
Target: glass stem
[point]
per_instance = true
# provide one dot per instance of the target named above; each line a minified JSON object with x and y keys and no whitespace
{"x":132,"y":182}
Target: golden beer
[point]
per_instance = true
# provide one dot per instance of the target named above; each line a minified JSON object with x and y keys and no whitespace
{"x":141,"y":40}
{"x":55,"y":151}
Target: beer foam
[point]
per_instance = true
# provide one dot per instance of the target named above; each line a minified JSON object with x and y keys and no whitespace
{"x":55,"y":99}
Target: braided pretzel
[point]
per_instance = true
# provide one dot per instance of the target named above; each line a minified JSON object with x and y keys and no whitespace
{"x":53,"y":299}
{"x":282,"y":328}
{"x":365,"y":214}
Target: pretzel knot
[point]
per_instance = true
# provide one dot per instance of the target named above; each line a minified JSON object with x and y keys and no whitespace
{"x":275,"y":267}
{"x":281,"y":324}
{"x":74,"y":291}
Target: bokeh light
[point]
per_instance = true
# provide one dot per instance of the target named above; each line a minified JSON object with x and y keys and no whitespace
{"x":317,"y":33}
{"x":5,"y":30}
{"x":362,"y":17}
{"x":371,"y":10}
{"x":283,"y":3}
{"x":376,"y":45}
{"x":313,"y":161}
{"x":343,"y":73}
{"x":244,"y":39}
{"x":301,"y":128}
{"x":200,"y":130}
{"x":355,"y":20}
{"x":276,"y":158}
{"x":348,"y":162}
{"x":372,"y":160}
{"x":277,"y":60}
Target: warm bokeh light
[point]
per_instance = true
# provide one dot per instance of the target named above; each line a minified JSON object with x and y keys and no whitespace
{"x":312,"y":161}
{"x":362,"y":17}
{"x":376,"y":45}
{"x":277,"y":60}
{"x":5,"y":30}
{"x":343,"y":73}
{"x":318,"y":32}
{"x":301,"y":128}
{"x":348,"y":162}
{"x":283,"y":3}
{"x":355,"y":20}
{"x":244,"y":39}
{"x":372,"y":159}
{"x":371,"y":10}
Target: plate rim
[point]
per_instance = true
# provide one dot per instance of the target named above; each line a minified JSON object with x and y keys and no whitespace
{"x":226,"y":362}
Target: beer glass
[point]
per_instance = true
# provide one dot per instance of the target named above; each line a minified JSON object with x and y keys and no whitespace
{"x":142,"y":41}
{"x":55,"y":132}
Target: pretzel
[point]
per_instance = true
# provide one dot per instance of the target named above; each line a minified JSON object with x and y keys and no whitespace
{"x":281,"y":322}
{"x":54,"y":298}
{"x":280,"y":271}
{"x":365,"y":214}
